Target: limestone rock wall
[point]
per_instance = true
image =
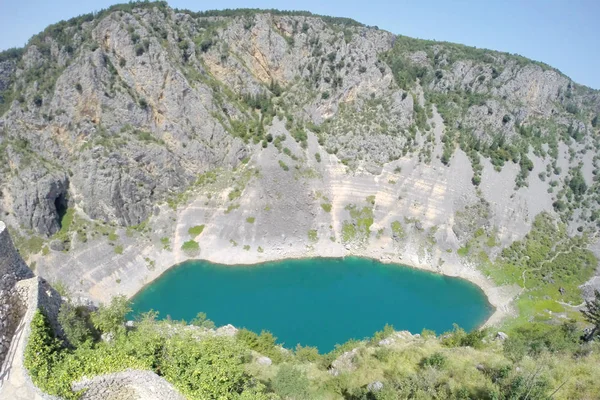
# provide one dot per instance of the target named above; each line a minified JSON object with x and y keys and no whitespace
{"x":128,"y":109}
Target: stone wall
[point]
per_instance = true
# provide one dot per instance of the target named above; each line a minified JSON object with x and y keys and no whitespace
{"x":15,"y":382}
{"x":21,"y":295}
{"x":12,"y":302}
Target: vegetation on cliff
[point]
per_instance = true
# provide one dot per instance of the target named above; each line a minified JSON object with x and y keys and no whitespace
{"x":536,"y":361}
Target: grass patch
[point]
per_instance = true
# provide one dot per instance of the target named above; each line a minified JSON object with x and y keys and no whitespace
{"x":283,"y":166}
{"x":232,"y":207}
{"x":326,"y":207}
{"x":348,"y":232}
{"x":234,"y":194}
{"x":544,"y":262}
{"x":190,"y":247}
{"x":196,"y":230}
{"x":312,"y":236}
{"x":250,"y":220}
{"x":463,"y":251}
{"x":65,"y":225}
{"x":118,"y":249}
{"x":27,"y":246}
{"x":492,"y":240}
{"x":398,"y":230}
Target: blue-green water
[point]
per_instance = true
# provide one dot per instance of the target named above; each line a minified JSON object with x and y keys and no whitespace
{"x":316,"y":302}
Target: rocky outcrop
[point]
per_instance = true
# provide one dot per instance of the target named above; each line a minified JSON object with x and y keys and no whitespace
{"x":39,"y":199}
{"x":7,"y":68}
{"x":125,"y":109}
{"x":12,"y":266}
{"x":128,"y":385}
{"x":344,"y":363}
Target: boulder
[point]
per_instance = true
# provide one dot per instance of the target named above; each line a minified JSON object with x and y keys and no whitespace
{"x":264,"y":361}
{"x":57,"y":245}
{"x":227,"y":330}
{"x":344,"y":363}
{"x":375,"y":386}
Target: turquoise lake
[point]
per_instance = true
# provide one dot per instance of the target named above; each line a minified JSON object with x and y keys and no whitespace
{"x":316,"y":302}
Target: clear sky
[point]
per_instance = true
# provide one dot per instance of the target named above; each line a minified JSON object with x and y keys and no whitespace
{"x":562,"y":33}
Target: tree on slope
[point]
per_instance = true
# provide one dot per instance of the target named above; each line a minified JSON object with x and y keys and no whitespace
{"x":591,"y":313}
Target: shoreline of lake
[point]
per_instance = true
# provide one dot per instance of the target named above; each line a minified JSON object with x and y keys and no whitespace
{"x":276,"y":295}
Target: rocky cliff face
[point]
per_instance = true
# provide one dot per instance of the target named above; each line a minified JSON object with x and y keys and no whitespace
{"x":111,"y":114}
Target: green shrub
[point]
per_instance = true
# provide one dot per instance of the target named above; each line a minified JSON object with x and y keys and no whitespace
{"x":536,"y":338}
{"x":202,"y":321}
{"x":307,"y":353}
{"x":234,"y":194}
{"x":211,"y":368}
{"x":265,"y":343}
{"x":326,"y":207}
{"x":436,"y":360}
{"x":109,"y":319}
{"x":572,"y":108}
{"x":75,"y":324}
{"x":387,"y":331}
{"x":250,"y":220}
{"x":196,"y":230}
{"x":459,"y":338}
{"x":397,"y":230}
{"x":291,"y":383}
{"x":42,"y":355}
{"x":190,"y":247}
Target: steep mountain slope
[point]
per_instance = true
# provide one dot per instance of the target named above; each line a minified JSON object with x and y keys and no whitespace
{"x":123,"y":129}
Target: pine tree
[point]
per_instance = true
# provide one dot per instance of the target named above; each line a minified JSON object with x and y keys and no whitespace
{"x":592,"y":313}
